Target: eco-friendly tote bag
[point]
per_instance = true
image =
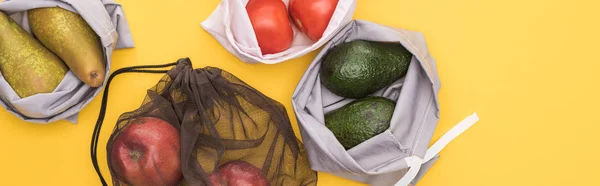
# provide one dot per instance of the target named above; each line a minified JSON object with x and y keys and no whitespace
{"x":398,"y":156}
{"x":230,"y":26}
{"x":107,"y":19}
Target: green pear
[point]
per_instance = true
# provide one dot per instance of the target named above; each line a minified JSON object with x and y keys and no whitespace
{"x":69,"y":36}
{"x":27,"y":66}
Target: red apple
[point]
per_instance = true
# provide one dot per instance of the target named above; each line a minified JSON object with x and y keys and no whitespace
{"x":238,"y":173}
{"x":146,"y":152}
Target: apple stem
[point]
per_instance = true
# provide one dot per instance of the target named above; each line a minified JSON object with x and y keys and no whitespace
{"x":135,"y":155}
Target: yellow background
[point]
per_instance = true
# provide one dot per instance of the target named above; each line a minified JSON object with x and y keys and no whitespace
{"x":528,"y":68}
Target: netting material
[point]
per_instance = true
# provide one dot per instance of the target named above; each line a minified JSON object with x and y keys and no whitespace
{"x":222,"y":119}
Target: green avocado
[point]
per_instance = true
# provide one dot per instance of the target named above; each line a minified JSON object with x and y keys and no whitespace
{"x":360,"y":120}
{"x":358,"y":68}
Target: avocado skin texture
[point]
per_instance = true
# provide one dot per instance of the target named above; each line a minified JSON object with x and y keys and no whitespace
{"x":28,"y":67}
{"x":358,"y":68}
{"x":360,"y":120}
{"x":69,"y":36}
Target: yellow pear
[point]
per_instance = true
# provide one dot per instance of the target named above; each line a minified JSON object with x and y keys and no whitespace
{"x":27,"y":66}
{"x":69,"y":36}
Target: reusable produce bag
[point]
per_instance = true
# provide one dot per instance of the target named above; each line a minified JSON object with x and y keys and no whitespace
{"x":230,"y":26}
{"x":398,"y":156}
{"x":220,"y":119}
{"x":107,"y":19}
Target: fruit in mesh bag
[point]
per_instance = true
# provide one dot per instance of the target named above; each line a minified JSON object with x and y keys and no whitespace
{"x":146,"y":152}
{"x":238,"y":173}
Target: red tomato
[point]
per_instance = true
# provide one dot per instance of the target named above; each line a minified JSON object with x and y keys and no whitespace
{"x":271,"y":25}
{"x":312,"y":16}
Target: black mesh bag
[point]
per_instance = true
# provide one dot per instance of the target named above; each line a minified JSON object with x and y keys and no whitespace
{"x":220,"y":120}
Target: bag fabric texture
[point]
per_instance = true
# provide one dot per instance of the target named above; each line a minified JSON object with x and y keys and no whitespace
{"x":107,"y":19}
{"x":230,"y":26}
{"x":220,"y":119}
{"x":381,"y":160}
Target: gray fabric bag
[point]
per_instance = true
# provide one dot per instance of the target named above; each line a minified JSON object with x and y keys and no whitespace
{"x":400,"y":155}
{"x":107,"y":19}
